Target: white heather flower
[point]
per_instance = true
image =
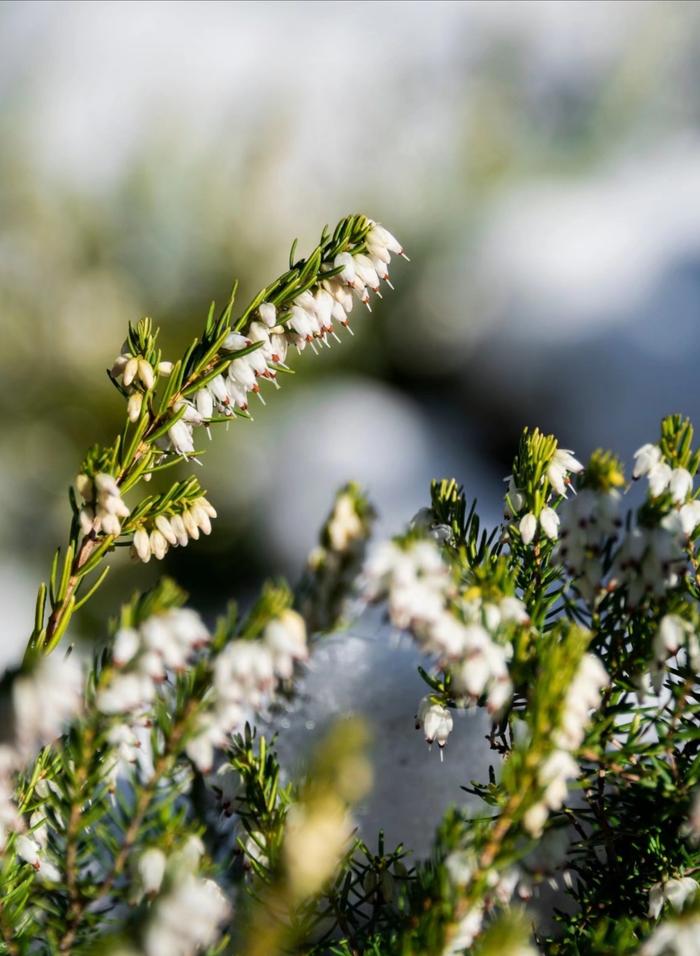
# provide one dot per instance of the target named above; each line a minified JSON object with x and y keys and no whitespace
{"x":125,"y":693}
{"x":165,"y":368}
{"x":145,"y":373}
{"x":535,"y":818}
{"x":446,"y":636}
{"x":130,"y":370}
{"x":669,"y":637}
{"x":28,"y":850}
{"x":513,"y":609}
{"x":646,"y":458}
{"x":467,"y":930}
{"x":345,"y":525}
{"x":553,"y":775}
{"x":204,"y":403}
{"x":285,"y":636}
{"x":244,"y":673}
{"x":158,"y":544}
{"x":528,"y":527}
{"x":582,"y":696}
{"x":45,"y":699}
{"x":180,"y":435}
{"x":380,"y":238}
{"x":689,"y":517}
{"x":31,"y":851}
{"x":549,"y":522}
{"x":659,"y":478}
{"x":186,"y":919}
{"x":126,"y":645}
{"x":166,"y":529}
{"x":562,"y":463}
{"x":680,"y":484}
{"x":268,"y":313}
{"x":460,"y":865}
{"x":366,"y":272}
{"x":674,"y":938}
{"x":676,"y":892}
{"x":142,"y":545}
{"x":174,"y":634}
{"x":346,"y":263}
{"x":133,"y":406}
{"x":416,"y":580}
{"x":151,"y":869}
{"x":435,"y":720}
{"x":235,"y":342}
{"x":126,"y":747}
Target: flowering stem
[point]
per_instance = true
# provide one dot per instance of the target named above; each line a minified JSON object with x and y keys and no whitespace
{"x":337,"y":263}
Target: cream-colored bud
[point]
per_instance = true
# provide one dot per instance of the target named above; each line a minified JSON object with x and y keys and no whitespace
{"x":133,"y":406}
{"x":142,"y":545}
{"x":84,"y":487}
{"x":111,"y":524}
{"x":165,"y":368}
{"x":146,"y":373}
{"x":166,"y":529}
{"x":159,"y":545}
{"x":130,"y":371}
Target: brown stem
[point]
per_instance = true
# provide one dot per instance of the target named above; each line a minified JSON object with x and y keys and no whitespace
{"x":89,"y":542}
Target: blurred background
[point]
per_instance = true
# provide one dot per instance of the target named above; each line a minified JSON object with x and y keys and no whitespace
{"x":540,"y":161}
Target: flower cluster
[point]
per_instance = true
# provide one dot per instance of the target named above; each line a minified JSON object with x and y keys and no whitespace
{"x":677,"y":892}
{"x":541,"y":470}
{"x":305,"y":319}
{"x":583,"y":694}
{"x":462,"y":634}
{"x":173,"y":530}
{"x":678,"y":937}
{"x":43,"y":698}
{"x":136,"y":376}
{"x":588,"y":522}
{"x":649,"y":561}
{"x":335,"y":563}
{"x":245,"y":673}
{"x":32,"y":849}
{"x":649,"y":462}
{"x":653,"y":556}
{"x":188,"y":909}
{"x":103,"y":506}
{"x":143,"y":656}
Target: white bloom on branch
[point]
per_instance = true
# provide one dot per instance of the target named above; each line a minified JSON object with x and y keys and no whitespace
{"x":645,"y":459}
{"x":674,"y":938}
{"x":435,"y":720}
{"x":285,"y":637}
{"x":680,"y":484}
{"x":44,"y":699}
{"x":549,"y":522}
{"x":29,"y":849}
{"x":465,"y":932}
{"x":187,"y":918}
{"x":562,"y":464}
{"x":677,"y":892}
{"x":151,"y":869}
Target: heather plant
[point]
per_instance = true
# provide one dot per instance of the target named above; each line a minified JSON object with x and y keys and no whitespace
{"x":142,"y":813}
